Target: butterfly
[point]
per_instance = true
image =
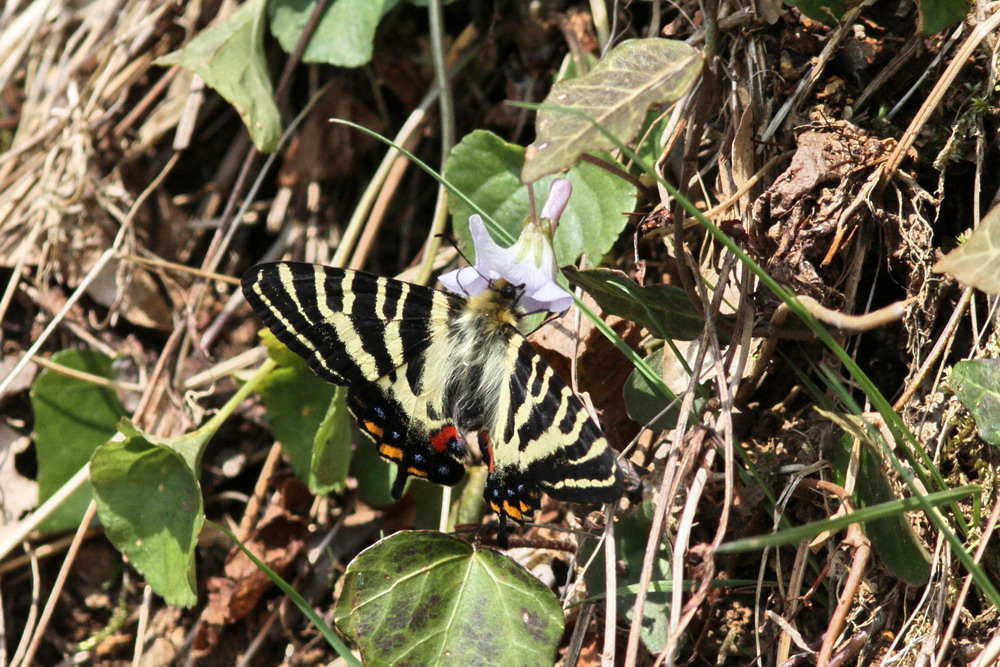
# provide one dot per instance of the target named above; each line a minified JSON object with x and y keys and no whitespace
{"x":425,"y":369}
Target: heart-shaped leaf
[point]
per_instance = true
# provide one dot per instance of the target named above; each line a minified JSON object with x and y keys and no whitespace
{"x":229,"y":56}
{"x":645,"y":404}
{"x":344,"y":35}
{"x":631,"y":535}
{"x":425,"y":598}
{"x":485,"y":168}
{"x":892,"y":537}
{"x":309,"y":417}
{"x":149,"y":501}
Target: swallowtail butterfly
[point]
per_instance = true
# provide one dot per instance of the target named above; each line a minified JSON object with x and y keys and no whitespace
{"x":425,"y":367}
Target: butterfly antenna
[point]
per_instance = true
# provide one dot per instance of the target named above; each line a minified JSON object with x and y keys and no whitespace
{"x":454,"y":244}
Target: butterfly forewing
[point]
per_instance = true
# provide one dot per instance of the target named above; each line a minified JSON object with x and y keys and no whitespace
{"x":372,"y":335}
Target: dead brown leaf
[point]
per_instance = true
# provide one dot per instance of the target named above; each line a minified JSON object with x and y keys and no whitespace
{"x":278,"y":541}
{"x":801,"y":219}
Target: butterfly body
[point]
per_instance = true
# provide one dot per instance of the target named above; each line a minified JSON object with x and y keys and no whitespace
{"x":426,"y":368}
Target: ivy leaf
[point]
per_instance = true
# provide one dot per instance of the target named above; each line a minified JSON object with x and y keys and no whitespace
{"x":977,"y":385}
{"x":615,"y":94}
{"x":977,"y":261}
{"x":229,"y":56}
{"x":425,"y":598}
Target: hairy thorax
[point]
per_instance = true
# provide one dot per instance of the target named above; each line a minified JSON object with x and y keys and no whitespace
{"x":481,"y":343}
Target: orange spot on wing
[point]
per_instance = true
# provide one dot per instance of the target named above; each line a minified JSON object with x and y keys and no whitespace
{"x":512,"y":511}
{"x":416,"y":471}
{"x":496,"y":508}
{"x":525,"y":507}
{"x":374,"y":429}
{"x":390,"y":452}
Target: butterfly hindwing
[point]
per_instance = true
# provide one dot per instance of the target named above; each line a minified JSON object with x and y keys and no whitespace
{"x":543,"y":440}
{"x":431,"y":450}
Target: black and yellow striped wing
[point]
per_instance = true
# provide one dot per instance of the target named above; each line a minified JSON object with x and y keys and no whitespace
{"x":369,"y":334}
{"x":549,"y":442}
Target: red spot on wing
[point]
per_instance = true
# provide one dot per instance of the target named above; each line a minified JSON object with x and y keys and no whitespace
{"x":440,"y":440}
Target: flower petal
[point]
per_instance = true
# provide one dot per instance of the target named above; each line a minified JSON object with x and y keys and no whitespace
{"x":488,"y":253}
{"x":559,"y":193}
{"x":550,"y":297}
{"x":466,"y":280}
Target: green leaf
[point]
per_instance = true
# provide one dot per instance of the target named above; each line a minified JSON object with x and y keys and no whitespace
{"x":977,"y":385}
{"x":665,"y":310}
{"x":343,"y":37}
{"x":426,"y":498}
{"x":309,"y":418}
{"x":375,"y":475}
{"x":652,"y":137}
{"x":827,"y":11}
{"x":938,"y":15}
{"x":150,"y":504}
{"x":644,"y":402}
{"x":72,"y":418}
{"x":331,"y":454}
{"x":189,"y":446}
{"x":229,"y":56}
{"x":633,"y":76}
{"x":977,"y":261}
{"x":572,"y":69}
{"x":424,"y":598}
{"x":485,"y":168}
{"x":631,"y":535}
{"x":468,"y":505}
{"x":892,"y":537}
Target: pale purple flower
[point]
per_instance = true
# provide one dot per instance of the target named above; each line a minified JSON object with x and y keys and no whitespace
{"x":530,"y":263}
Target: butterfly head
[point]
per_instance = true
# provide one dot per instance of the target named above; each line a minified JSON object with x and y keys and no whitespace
{"x":499,"y":304}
